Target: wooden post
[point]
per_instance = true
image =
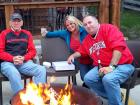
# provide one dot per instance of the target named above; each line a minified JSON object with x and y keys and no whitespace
{"x":115,"y":6}
{"x":104,"y":11}
{"x":8,"y":10}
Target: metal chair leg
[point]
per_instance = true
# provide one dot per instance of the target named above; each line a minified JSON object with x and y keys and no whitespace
{"x":127,"y":96}
{"x":25,"y":81}
{"x":68,"y":79}
{"x":74,"y":80}
{"x":1,"y":96}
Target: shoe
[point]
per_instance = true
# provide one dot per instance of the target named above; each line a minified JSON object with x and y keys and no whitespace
{"x":102,"y":103}
{"x":10,"y":102}
{"x":122,"y":96}
{"x":84,"y":85}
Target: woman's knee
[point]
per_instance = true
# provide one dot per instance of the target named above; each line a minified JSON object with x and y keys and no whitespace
{"x":86,"y":78}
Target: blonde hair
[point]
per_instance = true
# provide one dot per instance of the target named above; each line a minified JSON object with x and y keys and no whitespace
{"x":73,"y":20}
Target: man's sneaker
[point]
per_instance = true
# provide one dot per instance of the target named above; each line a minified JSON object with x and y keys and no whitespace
{"x":10,"y":102}
{"x":84,"y":85}
{"x":122,"y":96}
{"x":102,"y":102}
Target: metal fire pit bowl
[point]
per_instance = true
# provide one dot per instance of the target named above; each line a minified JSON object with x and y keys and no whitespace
{"x":80,"y":96}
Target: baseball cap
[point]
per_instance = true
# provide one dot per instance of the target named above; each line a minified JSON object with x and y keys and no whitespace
{"x":16,"y":16}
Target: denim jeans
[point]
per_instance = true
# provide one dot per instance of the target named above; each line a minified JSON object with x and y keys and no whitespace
{"x":84,"y":69}
{"x":109,"y":86}
{"x":12,"y":72}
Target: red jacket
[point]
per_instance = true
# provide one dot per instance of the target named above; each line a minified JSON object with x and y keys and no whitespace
{"x":102,"y":45}
{"x":16,"y":43}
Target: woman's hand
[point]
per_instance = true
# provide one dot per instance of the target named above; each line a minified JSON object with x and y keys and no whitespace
{"x":70,"y":59}
{"x":44,"y":32}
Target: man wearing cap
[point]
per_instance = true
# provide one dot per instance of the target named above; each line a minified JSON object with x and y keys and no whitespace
{"x":16,"y":52}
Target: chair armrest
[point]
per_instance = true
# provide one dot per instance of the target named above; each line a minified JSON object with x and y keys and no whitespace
{"x":138,"y":77}
{"x":131,"y":81}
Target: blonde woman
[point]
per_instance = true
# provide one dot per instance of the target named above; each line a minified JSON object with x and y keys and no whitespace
{"x":74,"y":34}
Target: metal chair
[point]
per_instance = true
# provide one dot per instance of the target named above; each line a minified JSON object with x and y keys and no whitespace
{"x":3,"y":78}
{"x":55,"y":49}
{"x":134,"y":47}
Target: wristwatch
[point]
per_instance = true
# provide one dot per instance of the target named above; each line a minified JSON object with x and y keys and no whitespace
{"x":113,"y":67}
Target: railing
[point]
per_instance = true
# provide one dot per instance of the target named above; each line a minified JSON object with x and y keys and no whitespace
{"x":52,"y":14}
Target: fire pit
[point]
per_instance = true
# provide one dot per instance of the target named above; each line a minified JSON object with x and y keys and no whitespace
{"x":80,"y":96}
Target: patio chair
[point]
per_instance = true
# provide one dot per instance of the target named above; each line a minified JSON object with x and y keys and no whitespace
{"x":55,"y":49}
{"x":134,"y":47}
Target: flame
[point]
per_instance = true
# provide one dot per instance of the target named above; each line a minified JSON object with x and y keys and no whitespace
{"x":44,"y":94}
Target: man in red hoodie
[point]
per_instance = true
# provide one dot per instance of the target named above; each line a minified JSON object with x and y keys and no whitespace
{"x":105,"y":44}
{"x":16,"y":53}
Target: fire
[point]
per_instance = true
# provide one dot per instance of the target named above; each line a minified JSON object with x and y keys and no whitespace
{"x":44,"y":94}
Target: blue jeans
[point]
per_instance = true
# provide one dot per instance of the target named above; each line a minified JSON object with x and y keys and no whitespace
{"x":12,"y":72}
{"x":109,"y":85}
{"x":84,"y":69}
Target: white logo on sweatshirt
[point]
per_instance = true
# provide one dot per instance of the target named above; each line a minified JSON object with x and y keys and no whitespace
{"x":97,"y":46}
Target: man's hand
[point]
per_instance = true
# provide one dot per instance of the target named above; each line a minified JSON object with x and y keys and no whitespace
{"x":18,"y":60}
{"x":105,"y":70}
